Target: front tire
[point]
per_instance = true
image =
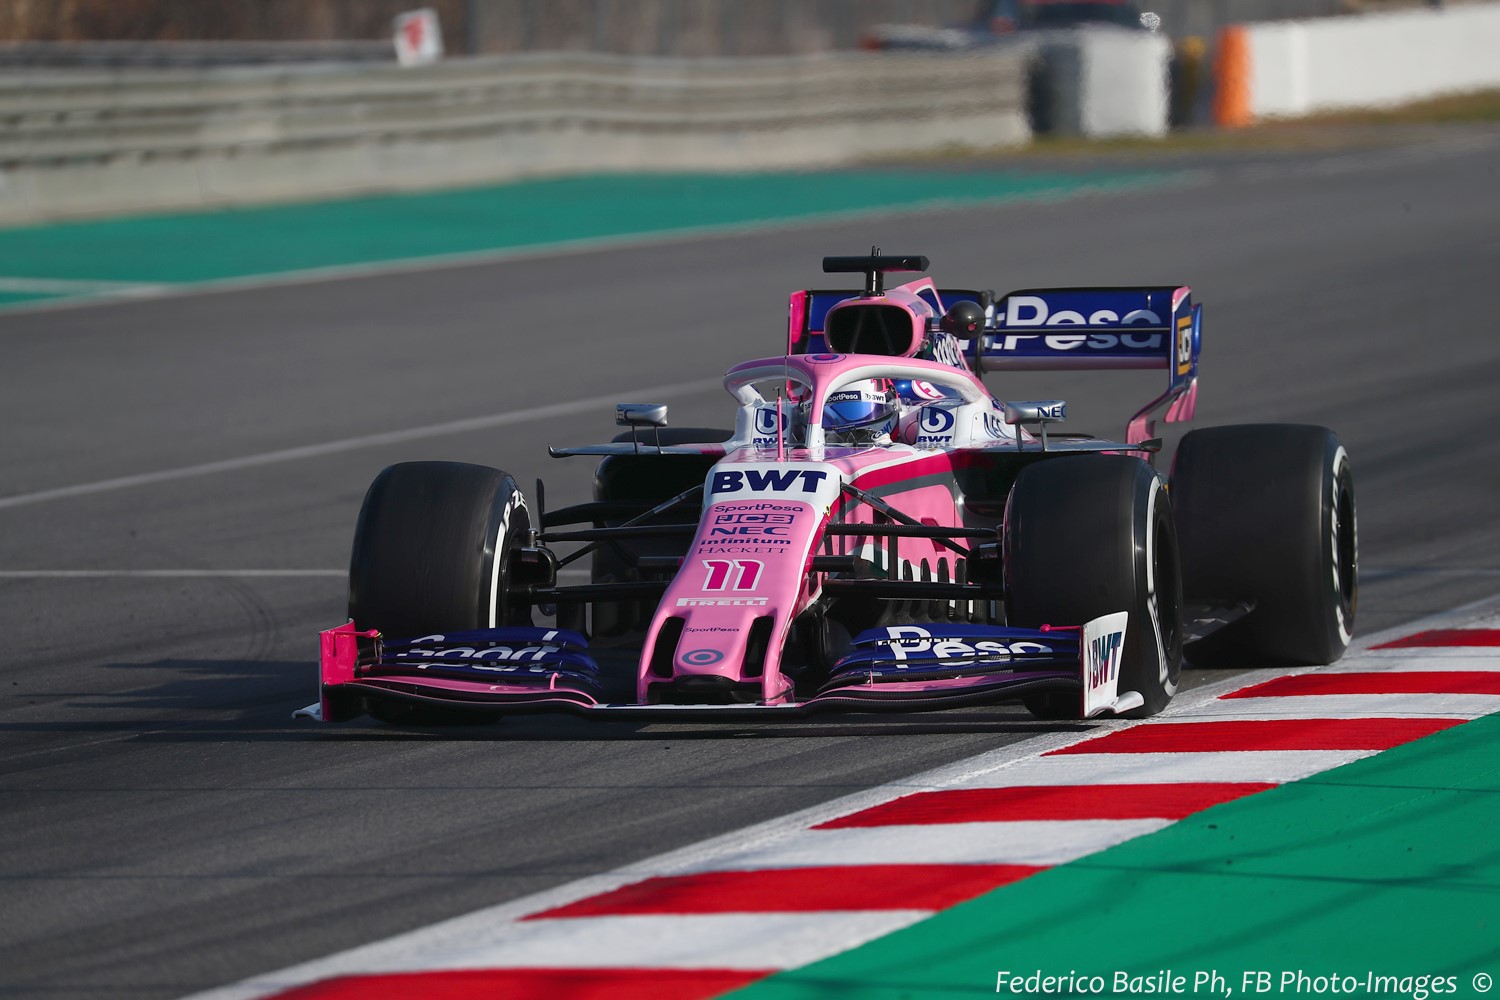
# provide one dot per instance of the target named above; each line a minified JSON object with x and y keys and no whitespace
{"x":1088,"y":536}
{"x":431,"y":554}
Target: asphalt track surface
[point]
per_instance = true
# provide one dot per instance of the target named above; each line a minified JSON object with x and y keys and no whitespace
{"x":167,"y":827}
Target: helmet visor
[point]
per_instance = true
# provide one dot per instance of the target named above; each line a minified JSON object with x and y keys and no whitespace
{"x":855,"y":408}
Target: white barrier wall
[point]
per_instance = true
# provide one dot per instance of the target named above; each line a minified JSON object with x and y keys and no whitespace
{"x":1302,"y":67}
{"x":1125,"y":84}
{"x":1104,"y":82}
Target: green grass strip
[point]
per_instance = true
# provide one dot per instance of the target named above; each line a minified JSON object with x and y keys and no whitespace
{"x":205,"y":246}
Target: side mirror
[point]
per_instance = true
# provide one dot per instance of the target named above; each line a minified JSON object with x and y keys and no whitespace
{"x":640,"y":414}
{"x":637,"y":415}
{"x":1041,"y":411}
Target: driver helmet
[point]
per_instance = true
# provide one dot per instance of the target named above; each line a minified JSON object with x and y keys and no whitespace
{"x":860,"y":413}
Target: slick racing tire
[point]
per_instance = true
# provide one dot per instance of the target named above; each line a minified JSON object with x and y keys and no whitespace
{"x":649,"y":478}
{"x":1265,"y":515}
{"x":431,"y":553}
{"x":1087,"y":536}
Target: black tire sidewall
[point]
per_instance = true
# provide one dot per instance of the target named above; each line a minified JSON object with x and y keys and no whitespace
{"x":431,"y":548}
{"x":1266,"y":516}
{"x":1091,"y":535}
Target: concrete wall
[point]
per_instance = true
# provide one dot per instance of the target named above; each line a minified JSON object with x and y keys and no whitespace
{"x":132,"y":140}
{"x":690,"y":28}
{"x":1302,"y":67}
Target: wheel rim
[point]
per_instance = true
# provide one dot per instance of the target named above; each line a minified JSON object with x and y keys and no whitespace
{"x":1166,"y":597}
{"x":1345,"y":545}
{"x":510,"y":533}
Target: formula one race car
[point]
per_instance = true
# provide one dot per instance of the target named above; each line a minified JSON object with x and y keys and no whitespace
{"x":877,"y":532}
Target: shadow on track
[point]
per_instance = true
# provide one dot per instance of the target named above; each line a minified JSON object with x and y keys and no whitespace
{"x":251,"y":701}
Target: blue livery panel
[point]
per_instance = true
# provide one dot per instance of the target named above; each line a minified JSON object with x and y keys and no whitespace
{"x":512,"y":655}
{"x":924,"y":652}
{"x":1043,"y":329}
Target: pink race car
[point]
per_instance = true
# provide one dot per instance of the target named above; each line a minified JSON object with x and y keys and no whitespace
{"x":877,"y":532}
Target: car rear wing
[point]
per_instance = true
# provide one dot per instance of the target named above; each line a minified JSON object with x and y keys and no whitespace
{"x":1043,"y":329}
{"x":1059,"y":329}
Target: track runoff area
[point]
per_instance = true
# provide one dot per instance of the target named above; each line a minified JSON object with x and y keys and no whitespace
{"x":1281,"y":833}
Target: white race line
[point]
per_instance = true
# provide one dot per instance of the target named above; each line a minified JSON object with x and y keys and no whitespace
{"x":498,"y":937}
{"x":1348,"y":706}
{"x":353,"y":444}
{"x":68,"y":286}
{"x":1433,"y":658}
{"x":1034,"y":842}
{"x":1275,"y":766}
{"x":654,"y":941}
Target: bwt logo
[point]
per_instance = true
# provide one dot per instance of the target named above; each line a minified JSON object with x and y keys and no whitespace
{"x":1104,"y":659}
{"x":768,"y":421}
{"x":936,"y":420}
{"x":1033,"y":310}
{"x":775,"y":480}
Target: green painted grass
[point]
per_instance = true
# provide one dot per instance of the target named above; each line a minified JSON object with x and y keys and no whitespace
{"x":206,"y":246}
{"x":14,"y":298}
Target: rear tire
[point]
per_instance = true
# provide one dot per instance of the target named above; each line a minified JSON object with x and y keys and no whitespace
{"x":1088,"y":536}
{"x":1266,"y":515}
{"x":431,"y":553}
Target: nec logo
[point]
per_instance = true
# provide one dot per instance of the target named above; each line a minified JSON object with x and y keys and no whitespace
{"x":774,"y":480}
{"x":749,"y":531}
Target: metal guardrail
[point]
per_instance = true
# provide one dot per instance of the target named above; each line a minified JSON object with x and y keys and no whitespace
{"x":57,"y":123}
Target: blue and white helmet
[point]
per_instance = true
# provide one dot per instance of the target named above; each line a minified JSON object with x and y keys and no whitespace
{"x":860,"y":412}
